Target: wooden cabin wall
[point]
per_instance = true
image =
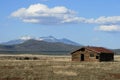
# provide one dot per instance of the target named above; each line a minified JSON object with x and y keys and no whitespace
{"x":77,"y":56}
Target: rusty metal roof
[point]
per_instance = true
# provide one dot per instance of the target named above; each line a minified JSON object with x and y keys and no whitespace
{"x":99,"y":49}
{"x":96,"y":49}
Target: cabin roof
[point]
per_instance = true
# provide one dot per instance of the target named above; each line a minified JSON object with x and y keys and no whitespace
{"x":96,"y":49}
{"x":99,"y":49}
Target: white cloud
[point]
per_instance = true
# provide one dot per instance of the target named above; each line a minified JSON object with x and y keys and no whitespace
{"x":40,"y":13}
{"x":104,"y":20}
{"x":108,"y":28}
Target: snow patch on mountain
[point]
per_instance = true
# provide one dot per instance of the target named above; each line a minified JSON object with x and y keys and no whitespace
{"x":26,"y":38}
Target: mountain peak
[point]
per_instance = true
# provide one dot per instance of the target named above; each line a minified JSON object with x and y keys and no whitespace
{"x":51,"y":36}
{"x":67,"y":41}
{"x":48,"y":37}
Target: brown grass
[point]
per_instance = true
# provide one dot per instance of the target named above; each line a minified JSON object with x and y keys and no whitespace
{"x":58,"y":68}
{"x":65,"y":73}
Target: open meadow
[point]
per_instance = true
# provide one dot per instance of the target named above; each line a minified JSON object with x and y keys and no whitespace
{"x":45,"y":67}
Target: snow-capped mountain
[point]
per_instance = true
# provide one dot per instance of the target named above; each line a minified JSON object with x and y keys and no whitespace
{"x":46,"y":39}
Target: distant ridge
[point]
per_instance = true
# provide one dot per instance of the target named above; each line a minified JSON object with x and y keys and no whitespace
{"x":116,"y":51}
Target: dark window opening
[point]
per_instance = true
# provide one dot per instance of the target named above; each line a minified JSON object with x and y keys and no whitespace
{"x":97,"y":57}
{"x":82,"y":57}
{"x":91,"y":55}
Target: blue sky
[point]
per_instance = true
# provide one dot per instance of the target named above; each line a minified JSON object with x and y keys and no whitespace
{"x":88,"y":22}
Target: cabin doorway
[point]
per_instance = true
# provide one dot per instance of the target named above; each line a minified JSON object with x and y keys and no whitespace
{"x":82,"y":57}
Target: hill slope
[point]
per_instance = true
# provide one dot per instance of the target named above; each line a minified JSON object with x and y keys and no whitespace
{"x":35,"y":45}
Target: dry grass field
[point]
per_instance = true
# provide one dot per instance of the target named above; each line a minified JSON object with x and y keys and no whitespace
{"x":56,"y":68}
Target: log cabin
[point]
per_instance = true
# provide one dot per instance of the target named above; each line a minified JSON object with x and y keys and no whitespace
{"x":92,"y":54}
